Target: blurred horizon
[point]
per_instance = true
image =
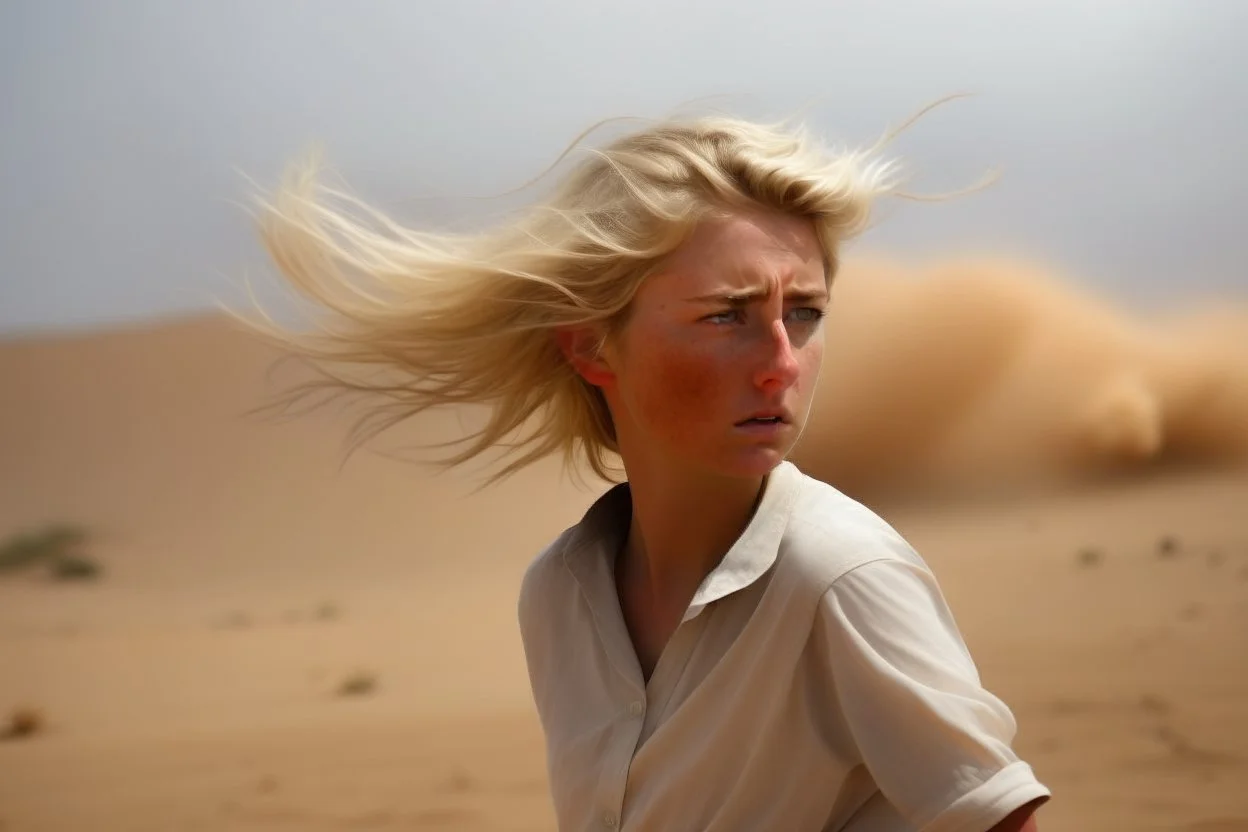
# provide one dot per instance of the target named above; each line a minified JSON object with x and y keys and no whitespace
{"x":132,"y":127}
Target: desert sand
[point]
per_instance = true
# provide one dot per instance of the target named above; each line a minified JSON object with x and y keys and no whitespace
{"x":1073,"y":473}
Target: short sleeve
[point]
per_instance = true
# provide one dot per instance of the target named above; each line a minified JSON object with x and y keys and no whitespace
{"x":936,"y":743}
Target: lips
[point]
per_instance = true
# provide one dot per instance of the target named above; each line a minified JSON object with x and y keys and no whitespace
{"x":767,"y":417}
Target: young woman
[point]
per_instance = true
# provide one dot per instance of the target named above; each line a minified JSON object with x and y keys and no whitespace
{"x":721,"y":643}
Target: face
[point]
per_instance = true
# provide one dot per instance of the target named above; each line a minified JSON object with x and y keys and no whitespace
{"x":715,"y":369}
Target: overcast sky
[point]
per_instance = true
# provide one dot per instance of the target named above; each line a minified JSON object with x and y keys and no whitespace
{"x":1121,"y":125}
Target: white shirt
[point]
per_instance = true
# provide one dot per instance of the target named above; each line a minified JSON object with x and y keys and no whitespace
{"x":817,"y":682}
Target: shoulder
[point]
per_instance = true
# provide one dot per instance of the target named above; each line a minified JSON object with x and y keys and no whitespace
{"x":831,"y":535}
{"x":863,"y":575}
{"x":542,"y":605}
{"x":553,"y":570}
{"x":890,"y":660}
{"x":545,"y":576}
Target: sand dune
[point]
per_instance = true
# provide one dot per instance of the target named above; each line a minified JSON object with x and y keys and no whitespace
{"x":148,"y":436}
{"x":197,"y":684}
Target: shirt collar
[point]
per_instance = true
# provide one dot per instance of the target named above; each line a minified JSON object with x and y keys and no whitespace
{"x":600,"y":534}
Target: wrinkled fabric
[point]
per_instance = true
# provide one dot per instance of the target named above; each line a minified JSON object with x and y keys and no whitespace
{"x":817,"y":682}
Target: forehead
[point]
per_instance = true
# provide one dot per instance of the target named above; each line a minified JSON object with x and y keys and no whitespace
{"x":745,"y":250}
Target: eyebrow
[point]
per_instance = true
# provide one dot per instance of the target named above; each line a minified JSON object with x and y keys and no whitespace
{"x":743,"y":298}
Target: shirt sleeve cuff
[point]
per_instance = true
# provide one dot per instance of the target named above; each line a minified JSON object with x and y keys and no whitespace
{"x":990,"y":803}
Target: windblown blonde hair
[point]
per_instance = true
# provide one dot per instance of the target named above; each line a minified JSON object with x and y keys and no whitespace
{"x":449,"y":319}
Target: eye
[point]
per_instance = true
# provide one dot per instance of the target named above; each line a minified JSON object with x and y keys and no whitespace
{"x":728,"y":316}
{"x":806,"y":314}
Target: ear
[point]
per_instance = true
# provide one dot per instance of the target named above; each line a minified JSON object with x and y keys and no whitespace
{"x":580,"y":346}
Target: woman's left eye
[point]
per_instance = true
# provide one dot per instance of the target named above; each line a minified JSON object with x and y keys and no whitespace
{"x":807,"y":314}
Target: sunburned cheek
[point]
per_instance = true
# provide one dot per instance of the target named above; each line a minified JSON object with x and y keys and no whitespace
{"x":684,"y":392}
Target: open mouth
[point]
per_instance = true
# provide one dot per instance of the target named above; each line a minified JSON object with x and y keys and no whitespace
{"x":762,"y":420}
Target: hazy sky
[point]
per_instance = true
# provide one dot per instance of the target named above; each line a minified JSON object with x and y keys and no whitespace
{"x":1121,"y":125}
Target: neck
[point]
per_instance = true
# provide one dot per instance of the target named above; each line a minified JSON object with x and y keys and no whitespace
{"x":683,"y":526}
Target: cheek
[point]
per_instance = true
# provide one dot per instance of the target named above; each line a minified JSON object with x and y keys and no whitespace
{"x":689,"y":383}
{"x":811,"y":360}
{"x":678,"y":390}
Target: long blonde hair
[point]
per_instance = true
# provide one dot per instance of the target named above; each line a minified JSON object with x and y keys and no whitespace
{"x":417,"y":319}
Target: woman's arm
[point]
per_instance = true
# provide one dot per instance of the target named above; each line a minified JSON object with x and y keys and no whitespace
{"x":935,"y":741}
{"x":1022,"y":819}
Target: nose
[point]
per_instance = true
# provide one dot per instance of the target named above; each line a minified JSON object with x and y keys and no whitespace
{"x":778,"y":370}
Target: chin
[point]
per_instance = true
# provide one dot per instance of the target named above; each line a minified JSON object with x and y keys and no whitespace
{"x":754,"y":462}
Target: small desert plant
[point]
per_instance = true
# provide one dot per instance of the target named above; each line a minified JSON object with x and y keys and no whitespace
{"x":23,"y":722}
{"x":360,"y":683}
{"x":1089,"y":556}
{"x":75,"y":568}
{"x":57,"y":546}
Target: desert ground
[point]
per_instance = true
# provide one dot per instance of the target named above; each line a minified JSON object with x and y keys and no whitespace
{"x":285,"y":638}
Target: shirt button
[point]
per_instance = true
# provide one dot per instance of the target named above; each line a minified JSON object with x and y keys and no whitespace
{"x":610,"y":820}
{"x":637,"y":708}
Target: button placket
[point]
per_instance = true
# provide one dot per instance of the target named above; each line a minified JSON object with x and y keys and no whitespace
{"x":627,"y":734}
